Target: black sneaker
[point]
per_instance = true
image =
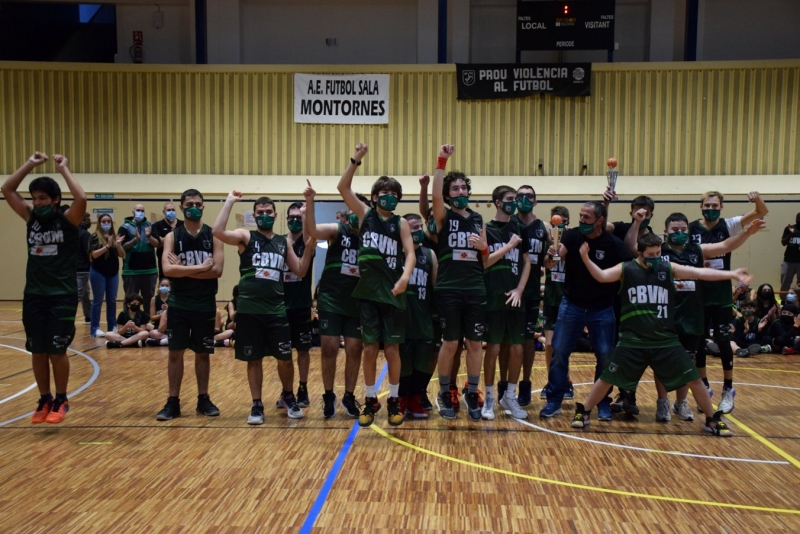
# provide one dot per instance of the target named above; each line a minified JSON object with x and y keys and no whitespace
{"x":396,"y":412}
{"x":501,"y":389}
{"x":328,"y":405}
{"x":616,"y":406}
{"x":113,"y":344}
{"x":256,"y":415}
{"x":445,"y":406}
{"x":473,"y":409}
{"x":152,"y":342}
{"x":206,"y":407}
{"x":302,"y":397}
{"x":425,"y":402}
{"x":349,"y":405}
{"x":629,"y":404}
{"x":368,"y":411}
{"x":289,"y":403}
{"x":581,"y":418}
{"x":524,"y":392}
{"x":170,"y":410}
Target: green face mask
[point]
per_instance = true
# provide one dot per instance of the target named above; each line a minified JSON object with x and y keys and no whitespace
{"x":387,"y":202}
{"x":43,"y":212}
{"x":432,"y":227}
{"x":711,"y":215}
{"x":524,"y":205}
{"x":352,"y":220}
{"x":509,"y":207}
{"x":418,"y":236}
{"x":645,"y":223}
{"x":653,"y":263}
{"x":295,"y":227}
{"x":586,"y":228}
{"x":193,"y":213}
{"x":678,"y":238}
{"x":265,"y":222}
{"x":459,"y":203}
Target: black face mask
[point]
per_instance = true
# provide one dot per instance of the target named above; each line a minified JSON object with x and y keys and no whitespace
{"x":787,"y":319}
{"x":135,"y":307}
{"x":766,"y":294}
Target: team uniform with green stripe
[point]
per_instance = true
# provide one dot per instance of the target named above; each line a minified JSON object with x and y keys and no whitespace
{"x":647,"y":334}
{"x":714,"y":293}
{"x":338,"y":310}
{"x":460,"y":287}
{"x":51,"y":290}
{"x":262,"y":328}
{"x":688,"y":298}
{"x":505,"y":324}
{"x":535,"y":235}
{"x":417,"y":351}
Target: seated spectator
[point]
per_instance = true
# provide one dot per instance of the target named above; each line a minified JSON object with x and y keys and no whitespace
{"x":133,"y":324}
{"x":158,"y":335}
{"x":765,"y":302}
{"x":750,"y":335}
{"x":224,"y":338}
{"x":791,"y":296}
{"x":741,"y":293}
{"x":785,"y":330}
{"x":159,"y":304}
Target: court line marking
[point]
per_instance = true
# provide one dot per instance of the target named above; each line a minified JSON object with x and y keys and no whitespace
{"x":327,"y":485}
{"x":573,"y":485}
{"x":27,"y":389}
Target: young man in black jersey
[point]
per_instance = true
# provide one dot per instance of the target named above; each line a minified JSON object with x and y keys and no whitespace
{"x":51,"y":291}
{"x":647,"y":333}
{"x":193,"y":259}
{"x":382,"y":284}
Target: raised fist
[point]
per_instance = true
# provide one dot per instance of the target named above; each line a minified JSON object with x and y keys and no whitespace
{"x":37,"y":158}
{"x":445,"y":151}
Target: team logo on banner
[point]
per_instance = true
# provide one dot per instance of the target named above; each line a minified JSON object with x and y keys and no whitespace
{"x":468,"y":77}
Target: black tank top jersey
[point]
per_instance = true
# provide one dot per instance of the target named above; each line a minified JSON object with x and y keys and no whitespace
{"x":340,"y":274}
{"x":505,"y":274}
{"x":460,"y":266}
{"x":53,"y":247}
{"x":193,"y":293}
{"x":296,"y":290}
{"x":648,"y":304}
{"x":261,"y":266}
{"x":419,"y":297}
{"x":380,"y":259}
{"x":714,"y":293}
{"x":688,"y":296}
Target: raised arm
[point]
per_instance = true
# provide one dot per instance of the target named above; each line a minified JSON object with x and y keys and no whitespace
{"x":712,"y":250}
{"x":760,"y":209}
{"x":12,"y":183}
{"x":607,"y":276}
{"x":711,"y":275}
{"x":299,"y":266}
{"x":345,"y":186}
{"x":424,"y":205}
{"x":608,"y":197}
{"x":632,"y":236}
{"x":237,"y":237}
{"x":317,"y":231}
{"x":439,"y":210}
{"x":77,"y":209}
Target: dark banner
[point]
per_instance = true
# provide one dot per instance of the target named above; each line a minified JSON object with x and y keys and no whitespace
{"x":510,"y":80}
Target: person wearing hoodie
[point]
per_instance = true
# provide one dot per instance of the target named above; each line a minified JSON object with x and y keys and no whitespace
{"x":139,"y":270}
{"x":784,"y":332}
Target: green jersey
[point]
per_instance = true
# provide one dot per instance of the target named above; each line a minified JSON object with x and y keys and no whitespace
{"x":648,"y":305}
{"x":419,"y":297}
{"x":340,"y":274}
{"x":714,"y":293}
{"x":380,"y":260}
{"x":554,"y":284}
{"x":261,"y":266}
{"x":141,"y":257}
{"x":192,"y":293}
{"x":535,"y":236}
{"x":688,"y":296}
{"x":297,"y":290}
{"x":504,"y":275}
{"x":52,"y":255}
{"x":460,"y":265}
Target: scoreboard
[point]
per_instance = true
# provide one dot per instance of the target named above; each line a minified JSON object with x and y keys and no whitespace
{"x":565,"y":24}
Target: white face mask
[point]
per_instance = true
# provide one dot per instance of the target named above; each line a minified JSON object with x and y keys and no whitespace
{"x":138,"y":216}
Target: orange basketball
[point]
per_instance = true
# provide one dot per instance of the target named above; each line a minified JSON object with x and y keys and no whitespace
{"x":556,"y":219}
{"x":612,"y":162}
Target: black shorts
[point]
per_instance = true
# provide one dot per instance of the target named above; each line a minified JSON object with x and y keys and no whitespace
{"x":417,"y":354}
{"x":262,"y":335}
{"x":49,"y":322}
{"x":300,"y":327}
{"x":337,"y":324}
{"x":382,"y":322}
{"x":505,"y":327}
{"x":531,"y":318}
{"x":462,"y":314}
{"x":190,"y":329}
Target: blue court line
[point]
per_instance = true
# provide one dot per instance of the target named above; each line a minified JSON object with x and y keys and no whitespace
{"x":322,"y":496}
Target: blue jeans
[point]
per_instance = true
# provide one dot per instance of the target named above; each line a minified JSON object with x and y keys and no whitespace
{"x":103,"y":287}
{"x":569,"y":328}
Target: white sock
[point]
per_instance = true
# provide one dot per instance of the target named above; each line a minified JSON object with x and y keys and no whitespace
{"x":370,"y":390}
{"x":511,"y":389}
{"x":164,"y":342}
{"x":394,"y":390}
{"x":490,"y":391}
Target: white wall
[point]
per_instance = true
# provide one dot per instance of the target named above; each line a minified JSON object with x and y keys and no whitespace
{"x":170,"y":44}
{"x":223,"y":33}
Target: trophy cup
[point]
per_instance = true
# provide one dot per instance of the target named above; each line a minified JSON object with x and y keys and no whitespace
{"x":612,"y":174}
{"x":555,"y":233}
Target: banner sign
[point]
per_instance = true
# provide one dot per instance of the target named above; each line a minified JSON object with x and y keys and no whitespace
{"x":512,"y":80}
{"x":341,"y":99}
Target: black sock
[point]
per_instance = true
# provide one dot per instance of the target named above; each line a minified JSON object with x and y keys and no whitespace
{"x":173,"y":399}
{"x":329,"y":392}
{"x":257,"y":402}
{"x":349,"y":393}
{"x":202,"y":396}
{"x":727,"y":383}
{"x":405,"y":386}
{"x":303,"y":385}
{"x":61,"y":397}
{"x":705,"y":381}
{"x":286,"y":393}
{"x":46,"y":397}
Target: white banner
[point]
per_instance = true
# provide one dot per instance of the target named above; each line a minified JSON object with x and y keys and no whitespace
{"x":341,"y":99}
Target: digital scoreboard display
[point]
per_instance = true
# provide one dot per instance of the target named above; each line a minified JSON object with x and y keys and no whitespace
{"x":565,"y":25}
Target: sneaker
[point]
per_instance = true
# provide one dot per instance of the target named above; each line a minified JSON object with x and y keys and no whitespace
{"x":511,"y":406}
{"x":766,"y":349}
{"x":570,"y":393}
{"x":328,"y":405}
{"x":616,"y":406}
{"x":170,"y":410}
{"x":206,"y":407}
{"x":57,"y":412}
{"x":302,"y":397}
{"x":681,"y":408}
{"x":487,"y":412}
{"x":395,"y":410}
{"x":719,"y":428}
{"x":581,"y":419}
{"x":425,"y":402}
{"x":726,"y":402}
{"x":629,"y":404}
{"x":742,"y":353}
{"x":99,"y":333}
{"x":350,"y":405}
{"x":524,"y":392}
{"x":445,"y":406}
{"x":543,"y":393}
{"x":604,"y":410}
{"x":87,"y":320}
{"x":465,"y":390}
{"x":42,"y":411}
{"x":788,"y":351}
{"x":150,"y":342}
{"x":256,"y":415}
{"x":754,"y":349}
{"x":368,"y":411}
{"x":292,"y":409}
{"x":415,"y":409}
{"x":712,"y":348}
{"x":551,"y":409}
{"x":473,"y":408}
{"x":113,"y":344}
{"x":501,"y":389}
{"x":662,"y":411}
{"x":454,"y":395}
{"x":710,"y":396}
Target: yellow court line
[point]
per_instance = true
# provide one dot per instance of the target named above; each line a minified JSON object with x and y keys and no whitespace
{"x":764,"y":441}
{"x":441,"y":456}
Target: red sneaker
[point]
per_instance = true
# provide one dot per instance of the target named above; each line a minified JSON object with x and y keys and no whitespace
{"x":454,"y":394}
{"x":414,"y":409}
{"x":42,"y":411}
{"x":58,"y":412}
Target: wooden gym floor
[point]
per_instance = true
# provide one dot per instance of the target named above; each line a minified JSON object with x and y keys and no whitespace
{"x":111,"y":467}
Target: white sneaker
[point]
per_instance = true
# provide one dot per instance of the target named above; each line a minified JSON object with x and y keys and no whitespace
{"x":99,"y":333}
{"x":487,"y":412}
{"x":726,"y":403}
{"x":292,"y":409}
{"x":256,"y":416}
{"x":509,"y":402}
{"x":681,"y":408}
{"x":662,"y":411}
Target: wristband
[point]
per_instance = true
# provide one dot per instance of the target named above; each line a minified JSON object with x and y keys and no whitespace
{"x":441,"y":163}
{"x":354,"y":162}
{"x":485,"y":252}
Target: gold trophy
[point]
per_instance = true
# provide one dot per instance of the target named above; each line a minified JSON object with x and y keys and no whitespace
{"x":612,"y":174}
{"x":555,"y":233}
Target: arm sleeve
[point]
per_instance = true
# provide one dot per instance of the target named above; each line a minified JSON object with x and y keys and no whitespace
{"x":735,"y":225}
